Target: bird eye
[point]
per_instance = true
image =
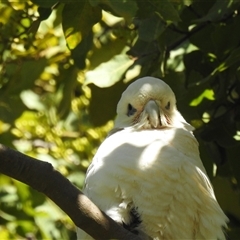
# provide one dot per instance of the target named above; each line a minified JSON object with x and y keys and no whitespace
{"x":167,"y":106}
{"x":131,"y":110}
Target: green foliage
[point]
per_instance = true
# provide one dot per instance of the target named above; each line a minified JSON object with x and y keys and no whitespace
{"x":63,"y":66}
{"x":77,"y":21}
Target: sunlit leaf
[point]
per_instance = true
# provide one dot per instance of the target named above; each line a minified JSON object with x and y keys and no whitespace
{"x":123,"y":8}
{"x":208,"y":94}
{"x":22,"y":191}
{"x":108,"y":50}
{"x":43,"y":219}
{"x":77,"y":178}
{"x":5,"y":13}
{"x":32,"y":100}
{"x":4,"y":233}
{"x":45,"y":3}
{"x":25,"y":226}
{"x":108,"y":73}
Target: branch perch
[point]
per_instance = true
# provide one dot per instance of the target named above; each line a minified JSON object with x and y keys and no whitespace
{"x":44,"y":178}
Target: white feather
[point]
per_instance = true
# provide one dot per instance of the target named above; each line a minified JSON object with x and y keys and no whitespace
{"x":157,"y":170}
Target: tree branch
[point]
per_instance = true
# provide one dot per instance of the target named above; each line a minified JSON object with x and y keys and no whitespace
{"x":44,"y":178}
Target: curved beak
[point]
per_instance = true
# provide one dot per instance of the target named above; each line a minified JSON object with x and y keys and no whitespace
{"x":152,"y":109}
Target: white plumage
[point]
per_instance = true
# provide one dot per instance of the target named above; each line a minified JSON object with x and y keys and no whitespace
{"x":147,"y":175}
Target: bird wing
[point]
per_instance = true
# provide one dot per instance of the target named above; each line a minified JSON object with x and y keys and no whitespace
{"x":155,"y":181}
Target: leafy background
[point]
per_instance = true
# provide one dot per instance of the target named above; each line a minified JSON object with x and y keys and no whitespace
{"x":64,"y":65}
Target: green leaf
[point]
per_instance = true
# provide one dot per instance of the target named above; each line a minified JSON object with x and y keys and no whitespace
{"x":151,"y":28}
{"x":142,"y":48}
{"x":106,"y":53}
{"x":24,"y":226}
{"x":7,"y":217}
{"x":32,"y":100}
{"x":103,"y":102}
{"x":23,"y":191}
{"x":67,"y":91}
{"x":223,"y":187}
{"x":233,"y":58}
{"x":221,"y":130}
{"x":122,"y":8}
{"x":197,"y":39}
{"x":219,"y":10}
{"x":232,"y":154}
{"x":79,"y":53}
{"x":23,"y":76}
{"x":8,"y":110}
{"x":77,"y":21}
{"x":77,"y":178}
{"x":207,"y":93}
{"x":166,"y":9}
{"x":44,"y":13}
{"x":223,"y":45}
{"x":27,"y":71}
{"x":45,"y":3}
{"x":108,"y":73}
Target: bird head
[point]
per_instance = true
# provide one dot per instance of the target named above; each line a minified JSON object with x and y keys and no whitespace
{"x":149,"y":103}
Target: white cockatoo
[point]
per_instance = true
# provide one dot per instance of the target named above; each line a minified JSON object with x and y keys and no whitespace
{"x":147,"y":175}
